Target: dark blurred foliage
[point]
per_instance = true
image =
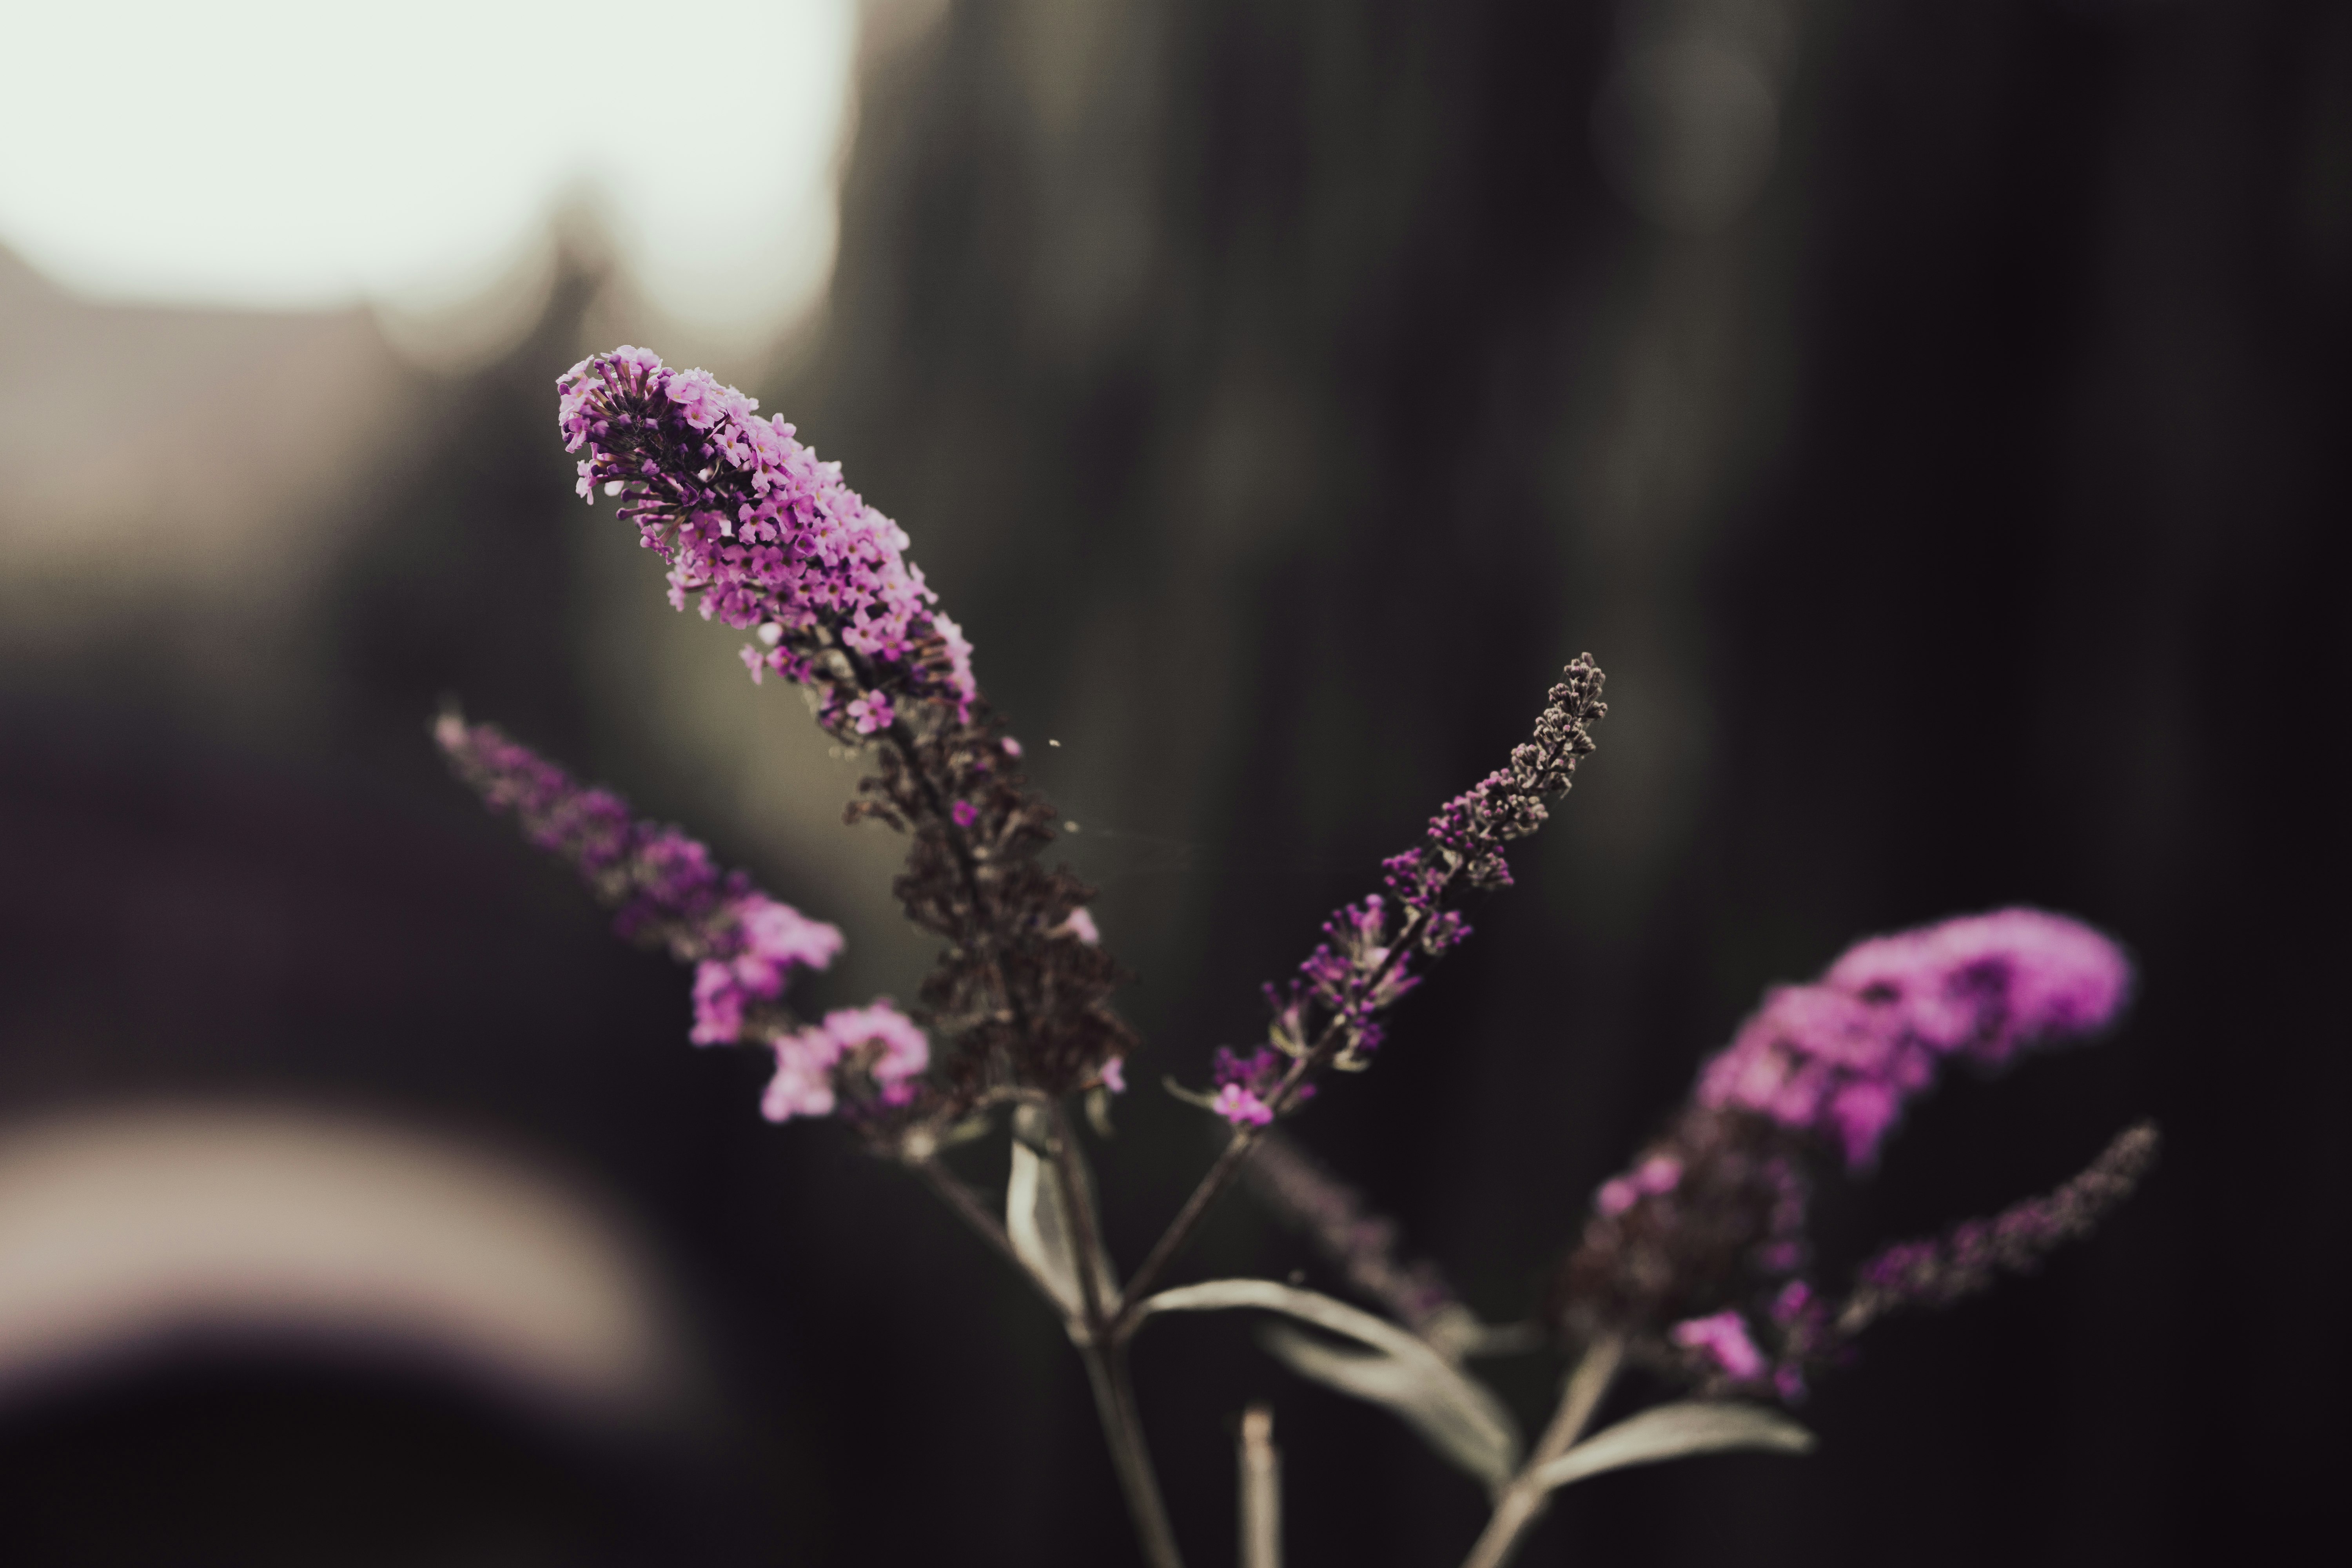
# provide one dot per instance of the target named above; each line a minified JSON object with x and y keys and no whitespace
{"x":1280,"y":393}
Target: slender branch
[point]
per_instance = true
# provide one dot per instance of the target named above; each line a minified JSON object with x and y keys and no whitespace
{"x":1180,"y":1229}
{"x":1523,"y":1502}
{"x":1228,"y":1165}
{"x":1211,"y":1185}
{"x":1106,"y":1365}
{"x":1122,"y":1420}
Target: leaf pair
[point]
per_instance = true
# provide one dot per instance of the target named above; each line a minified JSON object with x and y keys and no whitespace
{"x":1454,"y":1414}
{"x":1459,"y":1417}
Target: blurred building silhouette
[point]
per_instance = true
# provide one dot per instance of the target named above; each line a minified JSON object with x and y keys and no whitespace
{"x":1929,"y":415}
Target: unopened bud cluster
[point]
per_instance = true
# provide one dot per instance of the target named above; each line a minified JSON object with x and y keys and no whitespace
{"x":1378,"y":948}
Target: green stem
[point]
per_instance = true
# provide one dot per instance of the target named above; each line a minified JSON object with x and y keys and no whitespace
{"x":1228,"y":1164}
{"x":1106,"y":1360}
{"x":1123,"y":1430}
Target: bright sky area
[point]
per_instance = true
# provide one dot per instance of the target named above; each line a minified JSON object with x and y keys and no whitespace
{"x":321,"y":153}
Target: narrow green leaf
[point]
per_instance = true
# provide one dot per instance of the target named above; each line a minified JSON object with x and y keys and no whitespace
{"x":1033,"y":1222}
{"x":1036,"y":1219}
{"x":1677,"y":1431}
{"x":1454,"y":1415}
{"x":1458,"y":1415}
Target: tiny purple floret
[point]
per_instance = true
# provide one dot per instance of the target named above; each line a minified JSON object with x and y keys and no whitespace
{"x":1240,"y":1107}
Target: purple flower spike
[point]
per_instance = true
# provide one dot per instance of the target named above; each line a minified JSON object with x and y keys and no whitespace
{"x":1697,"y":1250}
{"x":1968,"y":1257}
{"x":1840,"y":1058}
{"x":1374,"y":951}
{"x":743,"y":944}
{"x":1988,"y":985}
{"x":767,"y":536}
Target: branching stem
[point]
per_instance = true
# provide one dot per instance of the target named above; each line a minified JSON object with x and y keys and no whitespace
{"x":1123,"y":1428}
{"x":1101,"y":1327}
{"x":1523,"y":1502}
{"x":1106,"y":1359}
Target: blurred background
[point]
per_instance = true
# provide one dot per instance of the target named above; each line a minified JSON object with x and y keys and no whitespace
{"x":1927,"y":412}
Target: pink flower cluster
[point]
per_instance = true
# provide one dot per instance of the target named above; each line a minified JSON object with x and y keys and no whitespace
{"x":768,"y":939}
{"x":1841,"y":1056}
{"x":770,"y":537}
{"x":1723,"y":1339}
{"x":878,"y":1042}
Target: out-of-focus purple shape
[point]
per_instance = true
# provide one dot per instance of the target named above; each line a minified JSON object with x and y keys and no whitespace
{"x":1841,"y":1056}
{"x":1967,"y":1258}
{"x":1723,"y":1339}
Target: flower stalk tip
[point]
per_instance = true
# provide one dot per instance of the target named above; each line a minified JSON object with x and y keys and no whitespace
{"x":765,"y":537}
